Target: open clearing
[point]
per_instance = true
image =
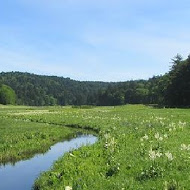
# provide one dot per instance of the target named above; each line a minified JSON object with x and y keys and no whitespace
{"x":139,"y":147}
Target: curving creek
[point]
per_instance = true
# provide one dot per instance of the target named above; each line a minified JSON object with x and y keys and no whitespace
{"x":22,"y":174}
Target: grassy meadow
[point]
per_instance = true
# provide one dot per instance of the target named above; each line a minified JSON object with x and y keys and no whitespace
{"x":21,"y":139}
{"x":139,"y":147}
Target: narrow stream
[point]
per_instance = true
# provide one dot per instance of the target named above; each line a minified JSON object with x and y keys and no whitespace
{"x":22,"y":175}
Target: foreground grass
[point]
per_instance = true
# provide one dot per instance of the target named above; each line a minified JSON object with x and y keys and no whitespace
{"x":139,"y":148}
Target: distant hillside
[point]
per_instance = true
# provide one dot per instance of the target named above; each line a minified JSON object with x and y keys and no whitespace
{"x":171,"y":89}
{"x":41,"y":90}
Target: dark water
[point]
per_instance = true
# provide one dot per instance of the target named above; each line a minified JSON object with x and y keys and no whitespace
{"x":22,"y":175}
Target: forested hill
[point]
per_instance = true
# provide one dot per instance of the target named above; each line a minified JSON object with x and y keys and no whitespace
{"x":37,"y":90}
{"x":40,"y":90}
{"x":171,"y":89}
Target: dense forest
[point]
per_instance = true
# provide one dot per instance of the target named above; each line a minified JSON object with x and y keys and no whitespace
{"x":171,"y":89}
{"x":37,"y":90}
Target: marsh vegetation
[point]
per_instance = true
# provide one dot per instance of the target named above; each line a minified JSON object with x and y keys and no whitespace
{"x":139,"y":147}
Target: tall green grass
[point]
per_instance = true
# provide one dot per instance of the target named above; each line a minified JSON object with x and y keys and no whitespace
{"x":139,"y":147}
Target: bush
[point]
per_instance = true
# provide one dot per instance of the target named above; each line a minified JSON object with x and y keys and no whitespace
{"x":7,"y":95}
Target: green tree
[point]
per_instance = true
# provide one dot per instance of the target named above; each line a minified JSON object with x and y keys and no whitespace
{"x":178,"y":90}
{"x":7,"y":95}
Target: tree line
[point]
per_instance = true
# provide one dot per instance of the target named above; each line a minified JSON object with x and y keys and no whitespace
{"x":171,"y":89}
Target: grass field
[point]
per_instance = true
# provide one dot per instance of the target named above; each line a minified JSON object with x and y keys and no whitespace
{"x":21,"y":139}
{"x":139,"y":147}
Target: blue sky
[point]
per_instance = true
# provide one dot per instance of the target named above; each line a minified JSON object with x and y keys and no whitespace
{"x":99,"y":40}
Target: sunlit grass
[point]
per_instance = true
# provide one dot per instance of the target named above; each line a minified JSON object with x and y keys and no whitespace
{"x":139,"y":147}
{"x":22,"y":139}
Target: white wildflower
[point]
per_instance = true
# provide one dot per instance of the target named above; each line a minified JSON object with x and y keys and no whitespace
{"x":72,"y":155}
{"x":112,"y":141}
{"x":157,"y":135}
{"x":152,"y":154}
{"x":106,"y":145}
{"x":107,"y":136}
{"x":169,"y":156}
{"x":165,"y":136}
{"x":146,"y":137}
{"x":158,"y":154}
{"x":181,"y":124}
{"x":68,"y":188}
{"x":185,"y":147}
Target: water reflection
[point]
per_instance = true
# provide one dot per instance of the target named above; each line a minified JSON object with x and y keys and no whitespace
{"x":22,"y":175}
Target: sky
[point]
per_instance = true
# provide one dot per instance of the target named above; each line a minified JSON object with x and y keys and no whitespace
{"x":93,"y":40}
